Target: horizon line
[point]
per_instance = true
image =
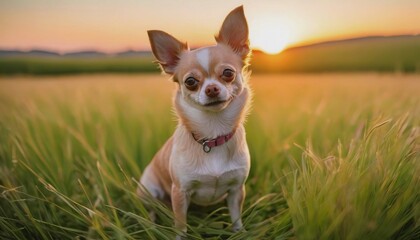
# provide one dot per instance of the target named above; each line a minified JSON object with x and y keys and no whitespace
{"x":128,"y":49}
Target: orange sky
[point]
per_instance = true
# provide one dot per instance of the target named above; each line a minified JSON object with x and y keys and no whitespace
{"x":119,"y":25}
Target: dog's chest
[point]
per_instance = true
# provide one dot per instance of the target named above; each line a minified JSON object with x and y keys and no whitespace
{"x":210,"y":181}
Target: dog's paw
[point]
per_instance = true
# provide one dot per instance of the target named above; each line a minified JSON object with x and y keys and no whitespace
{"x":181,"y":237}
{"x":238,"y":228}
{"x":152,"y":216}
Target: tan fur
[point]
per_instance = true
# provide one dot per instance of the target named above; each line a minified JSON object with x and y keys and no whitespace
{"x":160,"y":165}
{"x":181,"y":169}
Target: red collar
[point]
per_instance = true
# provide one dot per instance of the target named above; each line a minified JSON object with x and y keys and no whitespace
{"x":208,"y":144}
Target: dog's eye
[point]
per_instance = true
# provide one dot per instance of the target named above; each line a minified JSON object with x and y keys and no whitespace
{"x":191,"y":83}
{"x":228,"y":75}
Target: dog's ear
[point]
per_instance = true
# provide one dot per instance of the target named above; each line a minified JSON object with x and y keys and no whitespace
{"x":166,"y":49}
{"x":234,"y":32}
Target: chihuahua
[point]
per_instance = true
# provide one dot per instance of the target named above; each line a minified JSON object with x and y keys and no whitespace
{"x":207,"y":158}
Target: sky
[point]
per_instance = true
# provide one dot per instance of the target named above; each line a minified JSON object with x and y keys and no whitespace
{"x":111,"y":25}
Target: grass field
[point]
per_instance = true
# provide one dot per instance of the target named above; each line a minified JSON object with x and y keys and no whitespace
{"x":334,"y":156}
{"x":75,"y":65}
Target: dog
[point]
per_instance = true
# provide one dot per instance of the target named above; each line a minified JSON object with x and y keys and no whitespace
{"x":207,"y":158}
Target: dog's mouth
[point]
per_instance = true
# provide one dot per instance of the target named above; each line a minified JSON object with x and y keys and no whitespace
{"x":218,"y":102}
{"x":215,"y":103}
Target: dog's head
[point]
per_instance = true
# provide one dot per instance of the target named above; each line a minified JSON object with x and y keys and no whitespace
{"x":210,"y":77}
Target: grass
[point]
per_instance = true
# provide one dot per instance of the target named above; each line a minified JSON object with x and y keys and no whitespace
{"x":75,"y":65}
{"x":333,"y":157}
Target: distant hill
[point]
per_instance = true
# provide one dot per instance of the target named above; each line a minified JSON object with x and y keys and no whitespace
{"x":360,"y":40}
{"x":77,"y":54}
{"x":131,"y":53}
{"x":395,"y":53}
{"x":85,"y":54}
{"x":32,"y":53}
{"x":377,"y":53}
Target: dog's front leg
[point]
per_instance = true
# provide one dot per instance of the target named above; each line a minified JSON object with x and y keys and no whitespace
{"x":180,"y":202}
{"x":235,"y":200}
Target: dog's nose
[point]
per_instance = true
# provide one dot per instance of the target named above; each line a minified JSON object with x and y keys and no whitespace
{"x":212,"y":90}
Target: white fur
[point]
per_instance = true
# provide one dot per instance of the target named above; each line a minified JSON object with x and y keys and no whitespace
{"x":203,"y":57}
{"x":218,"y":172}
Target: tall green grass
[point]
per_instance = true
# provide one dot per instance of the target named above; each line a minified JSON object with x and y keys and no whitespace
{"x":333,"y":157}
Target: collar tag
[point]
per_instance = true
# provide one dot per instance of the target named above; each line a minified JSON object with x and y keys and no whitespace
{"x":206,"y":148}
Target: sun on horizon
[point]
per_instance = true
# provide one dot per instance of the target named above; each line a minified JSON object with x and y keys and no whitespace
{"x":269,"y":36}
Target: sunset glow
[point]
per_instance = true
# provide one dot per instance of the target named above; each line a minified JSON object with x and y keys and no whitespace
{"x":112,"y":26}
{"x":269,"y":35}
